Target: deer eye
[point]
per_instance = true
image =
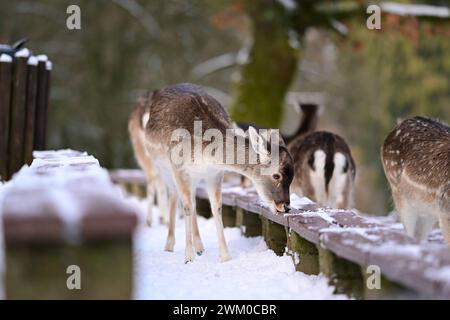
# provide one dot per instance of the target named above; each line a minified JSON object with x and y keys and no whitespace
{"x":276,"y":176}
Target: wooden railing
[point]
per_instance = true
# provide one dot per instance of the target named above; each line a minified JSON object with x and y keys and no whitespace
{"x":349,"y":248}
{"x":24,"y":97}
{"x":63,"y":213}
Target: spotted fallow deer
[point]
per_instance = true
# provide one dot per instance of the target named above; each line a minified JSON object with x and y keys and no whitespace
{"x":155,"y":186}
{"x":416,"y":161}
{"x":179,"y":107}
{"x":324,"y":168}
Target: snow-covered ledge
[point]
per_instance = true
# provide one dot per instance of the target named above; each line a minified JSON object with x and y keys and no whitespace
{"x":60,"y":211}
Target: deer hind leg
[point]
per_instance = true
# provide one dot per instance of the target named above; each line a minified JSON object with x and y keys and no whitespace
{"x":198,"y":244}
{"x":162,"y":196}
{"x":215,"y":198}
{"x":416,"y":219}
{"x":186,"y":191}
{"x":150,"y":203}
{"x":171,"y":229}
{"x":444,"y":224}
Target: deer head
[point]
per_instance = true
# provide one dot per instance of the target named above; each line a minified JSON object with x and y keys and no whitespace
{"x":273,"y":173}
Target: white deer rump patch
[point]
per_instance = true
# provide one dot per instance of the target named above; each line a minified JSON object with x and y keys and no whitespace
{"x":338,"y":181}
{"x":318,"y":176}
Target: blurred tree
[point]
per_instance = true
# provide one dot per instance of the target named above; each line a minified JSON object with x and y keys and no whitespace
{"x":278,"y":30}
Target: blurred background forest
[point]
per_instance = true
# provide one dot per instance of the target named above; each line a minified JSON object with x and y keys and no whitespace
{"x":249,"y":55}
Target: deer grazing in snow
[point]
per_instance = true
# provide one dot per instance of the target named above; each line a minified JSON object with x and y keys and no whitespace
{"x":416,"y":161}
{"x":178,"y":109}
{"x":324,"y":167}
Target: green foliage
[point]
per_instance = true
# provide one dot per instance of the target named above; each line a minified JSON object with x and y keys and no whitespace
{"x":99,"y":70}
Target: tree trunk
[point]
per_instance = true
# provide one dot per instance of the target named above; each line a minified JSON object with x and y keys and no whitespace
{"x":265,"y":79}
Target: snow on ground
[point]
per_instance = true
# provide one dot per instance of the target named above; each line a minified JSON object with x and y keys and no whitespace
{"x":254,"y":272}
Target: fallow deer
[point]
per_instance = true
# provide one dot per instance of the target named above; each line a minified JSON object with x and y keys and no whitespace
{"x":324,"y":169}
{"x":416,"y":161}
{"x":155,"y":186}
{"x":179,"y":107}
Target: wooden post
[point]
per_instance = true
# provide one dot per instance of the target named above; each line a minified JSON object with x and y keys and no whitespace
{"x":274,"y":235}
{"x":304,"y":253}
{"x":139,"y":190}
{"x":203,"y":208}
{"x":249,"y":223}
{"x":344,"y":275}
{"x":41,"y":105}
{"x":30,"y":110}
{"x":5,"y":105}
{"x":18,"y":109}
{"x":229,"y":216}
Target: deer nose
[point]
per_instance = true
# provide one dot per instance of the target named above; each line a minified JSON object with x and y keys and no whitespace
{"x":287,"y":207}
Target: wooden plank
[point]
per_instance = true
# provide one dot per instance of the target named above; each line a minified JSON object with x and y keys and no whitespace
{"x":18,"y":111}
{"x":5,"y":109}
{"x":30,"y":113}
{"x":135,"y":176}
{"x":309,"y":224}
{"x":279,"y":218}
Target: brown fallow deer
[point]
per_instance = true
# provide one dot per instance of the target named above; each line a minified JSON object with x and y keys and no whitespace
{"x":324,"y":167}
{"x":177,"y":109}
{"x":416,"y":161}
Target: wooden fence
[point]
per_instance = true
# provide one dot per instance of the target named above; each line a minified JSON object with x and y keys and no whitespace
{"x":60,"y":214}
{"x":349,"y":248}
{"x":24,"y":99}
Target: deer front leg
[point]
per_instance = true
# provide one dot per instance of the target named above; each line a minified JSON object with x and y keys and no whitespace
{"x":171,"y":230}
{"x":215,"y":198}
{"x":196,"y":232}
{"x":185,"y":191}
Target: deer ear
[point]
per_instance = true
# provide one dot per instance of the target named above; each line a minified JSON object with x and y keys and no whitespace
{"x":258,"y":143}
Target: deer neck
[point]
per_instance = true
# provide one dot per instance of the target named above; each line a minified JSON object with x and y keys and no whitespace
{"x":242,"y":164}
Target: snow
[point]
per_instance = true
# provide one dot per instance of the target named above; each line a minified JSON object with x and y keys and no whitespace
{"x":254,"y":272}
{"x":299,"y":202}
{"x":289,"y":5}
{"x":32,"y":61}
{"x":5,"y":58}
{"x":22,"y":53}
{"x":42,"y":57}
{"x":49,"y":65}
{"x":442,"y":274}
{"x":415,"y":9}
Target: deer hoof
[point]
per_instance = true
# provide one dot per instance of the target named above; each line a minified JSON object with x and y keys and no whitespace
{"x":226,"y":258}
